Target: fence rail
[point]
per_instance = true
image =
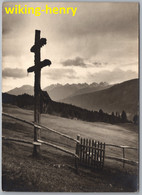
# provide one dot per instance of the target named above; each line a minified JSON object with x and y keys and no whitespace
{"x":19,"y":119}
{"x":59,"y":133}
{"x":120,"y":146}
{"x":89,"y":152}
{"x":123,"y":159}
{"x":39,"y":142}
{"x":40,"y":126}
{"x":58,"y":147}
{"x":17,"y":140}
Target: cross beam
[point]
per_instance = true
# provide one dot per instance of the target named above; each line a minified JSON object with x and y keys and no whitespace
{"x":38,"y":65}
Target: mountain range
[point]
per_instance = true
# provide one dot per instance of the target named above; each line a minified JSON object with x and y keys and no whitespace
{"x":28,"y":89}
{"x":58,"y":92}
{"x":109,"y":98}
{"x":123,"y":96}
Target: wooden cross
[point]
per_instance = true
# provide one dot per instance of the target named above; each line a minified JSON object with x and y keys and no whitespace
{"x":38,"y":65}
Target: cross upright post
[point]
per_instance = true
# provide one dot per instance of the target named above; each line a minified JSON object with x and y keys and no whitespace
{"x":39,"y":42}
{"x":37,"y":94}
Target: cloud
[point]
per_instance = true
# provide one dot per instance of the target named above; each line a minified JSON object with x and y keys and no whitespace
{"x":99,"y":32}
{"x":95,"y":28}
{"x":60,"y":73}
{"x":114,"y":76}
{"x":99,"y":64}
{"x":14,"y":73}
{"x":10,"y":22}
{"x":75,"y":62}
{"x":103,"y":18}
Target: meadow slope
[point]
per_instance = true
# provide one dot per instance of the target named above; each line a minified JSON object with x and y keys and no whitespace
{"x":54,"y":171}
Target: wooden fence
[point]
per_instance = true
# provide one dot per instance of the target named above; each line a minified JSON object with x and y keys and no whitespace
{"x":122,"y":159}
{"x":39,"y":142}
{"x":89,"y":153}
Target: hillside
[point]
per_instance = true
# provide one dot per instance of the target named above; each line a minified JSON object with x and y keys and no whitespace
{"x":92,"y":88}
{"x":47,"y":105}
{"x":54,"y":171}
{"x":123,"y":96}
{"x":28,"y":89}
{"x":58,"y":91}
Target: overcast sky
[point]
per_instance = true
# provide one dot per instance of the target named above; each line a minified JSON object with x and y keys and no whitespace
{"x":100,"y":43}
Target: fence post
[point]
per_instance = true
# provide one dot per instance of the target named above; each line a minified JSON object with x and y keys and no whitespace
{"x":36,"y":149}
{"x":77,"y":153}
{"x":103,"y":154}
{"x":123,"y":157}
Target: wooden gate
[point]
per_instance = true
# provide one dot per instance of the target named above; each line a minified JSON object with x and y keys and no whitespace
{"x":91,"y":153}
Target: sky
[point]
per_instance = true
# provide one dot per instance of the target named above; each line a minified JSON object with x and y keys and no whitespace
{"x":99,"y":44}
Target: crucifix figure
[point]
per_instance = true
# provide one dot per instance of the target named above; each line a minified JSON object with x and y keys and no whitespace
{"x":38,"y":65}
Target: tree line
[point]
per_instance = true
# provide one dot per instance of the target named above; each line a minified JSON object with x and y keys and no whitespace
{"x":65,"y":110}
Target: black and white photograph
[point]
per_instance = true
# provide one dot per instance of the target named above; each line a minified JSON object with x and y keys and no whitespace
{"x":70,"y":97}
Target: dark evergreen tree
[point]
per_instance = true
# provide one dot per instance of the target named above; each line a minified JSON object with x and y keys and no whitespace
{"x":112,"y":118}
{"x":124,"y":116}
{"x":135,"y":119}
{"x":61,"y":109}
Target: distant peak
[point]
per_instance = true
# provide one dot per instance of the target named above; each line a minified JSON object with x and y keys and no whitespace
{"x":94,"y":84}
{"x":103,"y":84}
{"x":67,"y":84}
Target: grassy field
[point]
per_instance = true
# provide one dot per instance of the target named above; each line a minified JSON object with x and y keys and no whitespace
{"x":54,"y":171}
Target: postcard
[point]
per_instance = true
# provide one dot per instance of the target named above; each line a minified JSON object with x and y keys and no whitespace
{"x":70,"y":96}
